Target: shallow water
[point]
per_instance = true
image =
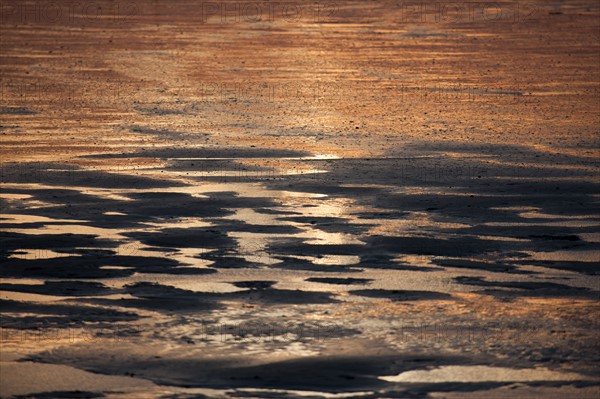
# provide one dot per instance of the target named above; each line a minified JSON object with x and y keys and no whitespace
{"x":415,"y":215}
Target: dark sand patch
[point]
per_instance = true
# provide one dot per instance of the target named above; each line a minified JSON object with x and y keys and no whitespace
{"x":529,"y":288}
{"x":497,"y":267}
{"x":61,"y":288}
{"x":291,"y":263}
{"x":59,"y":315}
{"x":153,"y":296}
{"x":339,"y":281}
{"x":325,"y":373}
{"x":398,"y":295}
{"x":589,"y":268}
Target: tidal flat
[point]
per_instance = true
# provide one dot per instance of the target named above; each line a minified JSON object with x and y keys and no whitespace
{"x":299,"y":200}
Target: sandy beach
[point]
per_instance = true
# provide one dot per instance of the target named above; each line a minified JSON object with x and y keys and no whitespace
{"x":362,"y":199}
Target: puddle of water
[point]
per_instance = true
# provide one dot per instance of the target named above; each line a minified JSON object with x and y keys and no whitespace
{"x":16,"y":380}
{"x":316,"y":236}
{"x":181,"y":223}
{"x":27,"y":297}
{"x":567,"y":256}
{"x":308,"y":394}
{"x":196,"y":285}
{"x":31,"y":281}
{"x":566,"y":223}
{"x":186,"y":256}
{"x":475,"y":374}
{"x":37,"y":253}
{"x":18,"y":218}
{"x":540,"y":215}
{"x":308,"y":158}
{"x":336,"y":260}
{"x":14,"y":196}
{"x":502,"y":238}
{"x":412,"y":223}
{"x":259,"y":174}
{"x":252,"y":217}
{"x":590,"y":237}
{"x":415,"y":260}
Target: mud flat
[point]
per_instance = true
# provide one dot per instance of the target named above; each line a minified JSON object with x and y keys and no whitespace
{"x":357,"y":200}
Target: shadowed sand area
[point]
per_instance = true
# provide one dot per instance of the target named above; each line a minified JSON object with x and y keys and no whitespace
{"x":250,"y":200}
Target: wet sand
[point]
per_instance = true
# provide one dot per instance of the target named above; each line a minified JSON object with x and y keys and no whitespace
{"x":259,"y":200}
